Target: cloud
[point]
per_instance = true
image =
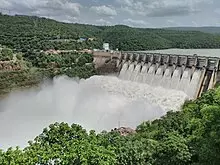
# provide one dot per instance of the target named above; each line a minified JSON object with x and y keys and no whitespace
{"x":155,"y":12}
{"x":138,"y":23}
{"x":161,"y":8}
{"x":104,"y":10}
{"x":171,"y":11}
{"x":217,"y":11}
{"x":170,"y":21}
{"x":61,"y":9}
{"x":103,"y":22}
{"x":195,"y":24}
{"x":125,"y":2}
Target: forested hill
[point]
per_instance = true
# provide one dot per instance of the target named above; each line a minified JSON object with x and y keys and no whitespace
{"x":206,"y":29}
{"x":28,"y":34}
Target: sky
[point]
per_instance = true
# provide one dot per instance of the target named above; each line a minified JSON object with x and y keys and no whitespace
{"x":135,"y":13}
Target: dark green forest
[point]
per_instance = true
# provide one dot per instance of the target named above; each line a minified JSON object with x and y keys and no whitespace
{"x":30,"y":34}
{"x":187,"y":137}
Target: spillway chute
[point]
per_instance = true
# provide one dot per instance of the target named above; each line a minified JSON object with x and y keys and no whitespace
{"x":150,"y":74}
{"x":175,"y":80}
{"x":191,"y":74}
{"x":158,"y":76}
{"x":185,"y":80}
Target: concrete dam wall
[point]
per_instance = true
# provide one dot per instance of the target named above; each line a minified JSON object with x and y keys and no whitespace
{"x":191,"y":74}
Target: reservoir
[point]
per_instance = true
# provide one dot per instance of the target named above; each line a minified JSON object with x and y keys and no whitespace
{"x":199,"y":52}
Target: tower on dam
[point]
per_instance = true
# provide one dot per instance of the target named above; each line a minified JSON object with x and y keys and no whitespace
{"x":191,"y":74}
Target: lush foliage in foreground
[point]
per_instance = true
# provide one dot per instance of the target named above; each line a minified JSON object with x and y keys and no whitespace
{"x":179,"y":138}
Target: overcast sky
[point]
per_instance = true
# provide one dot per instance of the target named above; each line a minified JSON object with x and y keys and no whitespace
{"x":138,"y":13}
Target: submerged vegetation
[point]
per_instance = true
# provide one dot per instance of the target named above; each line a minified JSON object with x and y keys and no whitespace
{"x":190,"y":136}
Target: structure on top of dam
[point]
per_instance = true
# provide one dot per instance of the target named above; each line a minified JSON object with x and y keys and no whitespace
{"x":191,"y":74}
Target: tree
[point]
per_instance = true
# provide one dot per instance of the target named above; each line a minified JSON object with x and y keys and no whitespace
{"x":172,"y":150}
{"x":68,"y":145}
{"x":6,"y":54}
{"x":208,"y":136}
{"x":19,"y":56}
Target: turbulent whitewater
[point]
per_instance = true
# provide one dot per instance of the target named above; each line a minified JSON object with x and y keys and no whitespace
{"x":100,"y":102}
{"x":186,"y":80}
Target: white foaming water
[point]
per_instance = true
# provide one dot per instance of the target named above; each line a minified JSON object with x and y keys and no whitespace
{"x":175,"y":78}
{"x":166,"y":79}
{"x":97,"y":103}
{"x":143,"y":73}
{"x":124,"y":70}
{"x":157,"y":77}
{"x":182,"y":79}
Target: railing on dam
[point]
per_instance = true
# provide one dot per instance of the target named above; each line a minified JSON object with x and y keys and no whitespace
{"x":191,"y":74}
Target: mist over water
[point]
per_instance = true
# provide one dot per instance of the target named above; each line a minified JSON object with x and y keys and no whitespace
{"x":99,"y":103}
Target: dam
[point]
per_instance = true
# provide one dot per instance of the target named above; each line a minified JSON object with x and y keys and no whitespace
{"x":191,"y":74}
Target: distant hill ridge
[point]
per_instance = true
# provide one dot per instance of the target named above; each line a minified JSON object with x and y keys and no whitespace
{"x":31,"y":33}
{"x":205,"y":29}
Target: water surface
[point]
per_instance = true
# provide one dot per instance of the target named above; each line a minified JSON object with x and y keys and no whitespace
{"x":199,"y":52}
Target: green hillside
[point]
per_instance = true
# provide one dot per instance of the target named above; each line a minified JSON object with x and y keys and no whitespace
{"x":28,"y":34}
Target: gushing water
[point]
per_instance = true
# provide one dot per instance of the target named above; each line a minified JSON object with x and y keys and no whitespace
{"x":99,"y":103}
{"x":179,"y":78}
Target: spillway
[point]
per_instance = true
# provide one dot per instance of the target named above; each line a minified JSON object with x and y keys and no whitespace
{"x":190,"y":74}
{"x":157,"y":77}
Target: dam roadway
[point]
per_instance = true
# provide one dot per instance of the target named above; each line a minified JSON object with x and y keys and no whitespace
{"x":191,"y":74}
